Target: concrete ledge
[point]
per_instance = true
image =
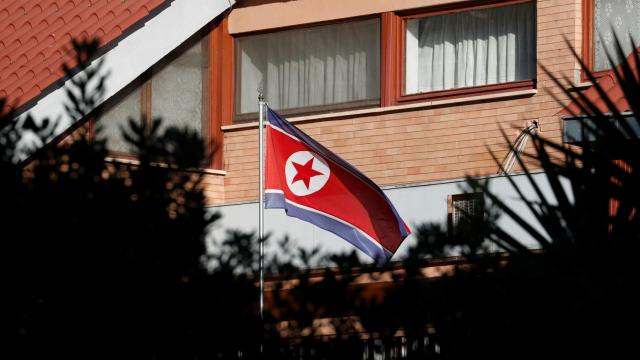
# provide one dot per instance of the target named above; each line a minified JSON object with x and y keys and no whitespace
{"x":133,"y":162}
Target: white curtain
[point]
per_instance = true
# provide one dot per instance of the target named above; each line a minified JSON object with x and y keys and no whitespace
{"x":621,"y":17}
{"x":315,"y":66}
{"x":470,"y":48}
{"x":177,"y":90}
{"x":122,"y":107}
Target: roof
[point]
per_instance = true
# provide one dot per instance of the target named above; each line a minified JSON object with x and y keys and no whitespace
{"x":35,"y":38}
{"x":611,"y":87}
{"x":136,"y":34}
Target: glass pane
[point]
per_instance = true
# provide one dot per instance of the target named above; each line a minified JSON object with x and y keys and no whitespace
{"x":318,"y":66}
{"x":116,"y":117}
{"x":621,"y":17}
{"x":470,"y":48}
{"x":177,"y":90}
{"x":467,"y":217}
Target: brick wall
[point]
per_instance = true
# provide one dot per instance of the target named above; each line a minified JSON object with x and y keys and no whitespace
{"x":213,"y":188}
{"x":432,"y":143}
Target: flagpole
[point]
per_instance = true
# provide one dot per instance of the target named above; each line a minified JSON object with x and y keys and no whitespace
{"x":261,"y":199}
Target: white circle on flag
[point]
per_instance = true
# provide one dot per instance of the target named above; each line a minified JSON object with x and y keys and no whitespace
{"x":306,"y":173}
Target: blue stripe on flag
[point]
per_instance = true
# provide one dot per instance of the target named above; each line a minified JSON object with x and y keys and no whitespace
{"x":349,"y":233}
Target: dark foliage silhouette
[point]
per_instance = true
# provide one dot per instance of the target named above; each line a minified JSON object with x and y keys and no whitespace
{"x":573,"y":294}
{"x":107,"y":260}
{"x":579,"y":290}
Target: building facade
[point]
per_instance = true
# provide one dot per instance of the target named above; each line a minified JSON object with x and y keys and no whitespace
{"x":447,"y":76}
{"x":414,"y":93}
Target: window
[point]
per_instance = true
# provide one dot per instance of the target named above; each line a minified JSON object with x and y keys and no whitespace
{"x":470,"y":48}
{"x":126,"y":105}
{"x":466,"y":218}
{"x":175,"y":89}
{"x":606,"y":17}
{"x":309,"y":69}
{"x":452,"y":50}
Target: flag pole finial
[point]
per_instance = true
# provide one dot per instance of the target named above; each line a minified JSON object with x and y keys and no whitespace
{"x":260,"y":93}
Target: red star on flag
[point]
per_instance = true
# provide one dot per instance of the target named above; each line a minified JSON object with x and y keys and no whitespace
{"x":344,"y":201}
{"x":305,"y":172}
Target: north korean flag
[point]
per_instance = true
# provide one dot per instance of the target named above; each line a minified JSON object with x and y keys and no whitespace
{"x":315,"y":185}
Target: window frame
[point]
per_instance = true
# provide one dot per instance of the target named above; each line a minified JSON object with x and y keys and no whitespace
{"x":588,"y":47}
{"x":403,"y":16}
{"x":307,"y":110}
{"x":144,"y":83}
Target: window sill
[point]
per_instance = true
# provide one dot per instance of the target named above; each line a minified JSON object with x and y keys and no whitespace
{"x":599,"y":74}
{"x":582,"y":85}
{"x":396,"y":108}
{"x":133,"y":162}
{"x":468,"y":91}
{"x":312,"y":110}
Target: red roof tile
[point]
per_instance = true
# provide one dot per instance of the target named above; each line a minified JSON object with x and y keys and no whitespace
{"x":35,"y":36}
{"x":611,"y":87}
